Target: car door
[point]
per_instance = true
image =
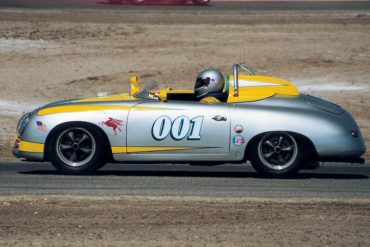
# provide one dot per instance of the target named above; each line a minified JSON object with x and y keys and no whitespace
{"x":178,"y":130}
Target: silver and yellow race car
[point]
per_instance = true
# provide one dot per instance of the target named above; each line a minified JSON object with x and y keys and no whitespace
{"x":240,"y":118}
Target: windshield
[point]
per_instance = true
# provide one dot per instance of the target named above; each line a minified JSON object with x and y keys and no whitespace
{"x":146,"y":92}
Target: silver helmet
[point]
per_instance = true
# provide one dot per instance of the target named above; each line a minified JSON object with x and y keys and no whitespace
{"x":209,"y":81}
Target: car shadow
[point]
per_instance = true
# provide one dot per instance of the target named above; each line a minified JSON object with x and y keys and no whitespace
{"x":205,"y":174}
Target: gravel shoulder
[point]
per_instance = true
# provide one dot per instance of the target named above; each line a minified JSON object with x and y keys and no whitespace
{"x":174,"y":221}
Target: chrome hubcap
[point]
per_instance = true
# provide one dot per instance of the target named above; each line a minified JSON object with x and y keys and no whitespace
{"x":75,"y":146}
{"x":278,"y":151}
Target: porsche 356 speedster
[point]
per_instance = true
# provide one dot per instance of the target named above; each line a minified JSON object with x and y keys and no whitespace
{"x":260,"y":119}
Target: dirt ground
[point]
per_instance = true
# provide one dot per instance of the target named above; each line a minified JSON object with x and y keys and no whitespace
{"x":173,"y":221}
{"x":51,"y":56}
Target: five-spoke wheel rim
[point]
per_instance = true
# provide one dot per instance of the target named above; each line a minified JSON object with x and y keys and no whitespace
{"x":75,"y":146}
{"x":278,"y":151}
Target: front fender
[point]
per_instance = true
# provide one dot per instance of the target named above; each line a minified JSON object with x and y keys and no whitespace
{"x":37,"y":135}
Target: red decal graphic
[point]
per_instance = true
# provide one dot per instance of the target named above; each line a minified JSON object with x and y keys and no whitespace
{"x":113,"y":123}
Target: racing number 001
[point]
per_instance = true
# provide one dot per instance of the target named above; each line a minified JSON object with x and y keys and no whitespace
{"x":181,"y":127}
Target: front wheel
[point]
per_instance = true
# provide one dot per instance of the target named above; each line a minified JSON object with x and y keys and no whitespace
{"x":277,"y":154}
{"x":77,"y":150}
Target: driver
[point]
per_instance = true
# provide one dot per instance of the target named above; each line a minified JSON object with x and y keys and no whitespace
{"x":209,"y":85}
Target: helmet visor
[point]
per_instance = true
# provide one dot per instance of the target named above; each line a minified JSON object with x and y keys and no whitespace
{"x":200,"y":82}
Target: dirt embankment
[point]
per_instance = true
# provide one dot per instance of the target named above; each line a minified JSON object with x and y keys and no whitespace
{"x":52,"y":56}
{"x":143,"y":221}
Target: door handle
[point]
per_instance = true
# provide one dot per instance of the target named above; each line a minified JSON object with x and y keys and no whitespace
{"x":219,"y":118}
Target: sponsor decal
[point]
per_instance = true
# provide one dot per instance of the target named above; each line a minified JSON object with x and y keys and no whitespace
{"x":40,"y":126}
{"x":238,"y":140}
{"x":238,"y":129}
{"x":112,"y":123}
{"x":180,"y":128}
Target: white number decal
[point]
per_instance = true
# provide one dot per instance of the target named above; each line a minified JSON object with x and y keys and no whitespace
{"x":179,"y":128}
{"x":161,"y":128}
{"x":196,"y":126}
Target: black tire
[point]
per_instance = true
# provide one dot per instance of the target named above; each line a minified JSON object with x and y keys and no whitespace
{"x":77,"y":149}
{"x":115,"y":1}
{"x":201,"y":2}
{"x":277,"y":154}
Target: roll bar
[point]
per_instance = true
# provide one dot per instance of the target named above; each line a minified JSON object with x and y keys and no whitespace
{"x":236,"y":75}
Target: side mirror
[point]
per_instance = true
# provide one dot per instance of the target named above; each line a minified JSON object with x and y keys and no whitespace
{"x":236,"y":76}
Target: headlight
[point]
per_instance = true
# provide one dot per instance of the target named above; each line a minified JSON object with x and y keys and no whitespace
{"x":23,"y":121}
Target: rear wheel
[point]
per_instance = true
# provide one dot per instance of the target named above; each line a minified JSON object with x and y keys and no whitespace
{"x":77,"y":150}
{"x":277,"y":154}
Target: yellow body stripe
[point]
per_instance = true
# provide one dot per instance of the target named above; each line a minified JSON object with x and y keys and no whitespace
{"x":146,"y":149}
{"x":116,"y":150}
{"x":39,"y":148}
{"x":31,"y":147}
{"x":84,"y":108}
{"x":114,"y":97}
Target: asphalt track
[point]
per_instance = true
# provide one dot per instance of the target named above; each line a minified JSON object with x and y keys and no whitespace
{"x":219,"y":6}
{"x":330,"y":181}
